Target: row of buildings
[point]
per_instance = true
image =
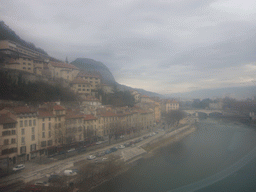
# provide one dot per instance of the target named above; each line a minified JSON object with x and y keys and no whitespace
{"x":27,"y":132}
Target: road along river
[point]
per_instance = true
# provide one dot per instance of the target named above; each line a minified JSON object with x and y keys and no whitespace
{"x":215,"y":151}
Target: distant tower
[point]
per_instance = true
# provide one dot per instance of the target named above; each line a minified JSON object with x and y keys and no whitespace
{"x":66,"y":59}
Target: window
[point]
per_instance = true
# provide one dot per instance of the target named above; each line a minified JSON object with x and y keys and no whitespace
{"x":34,"y":122}
{"x":59,"y":118}
{"x":21,"y":123}
{"x":23,"y":131}
{"x":43,"y":126}
{"x":33,"y":137}
{"x":79,"y":85}
{"x":83,"y":85}
{"x":79,"y":89}
{"x":43,"y":119}
{"x":25,"y":123}
{"x":49,"y":118}
{"x":23,"y":140}
{"x":23,"y":149}
{"x":83,"y":89}
{"x":33,"y":130}
{"x":4,"y":133}
{"x":88,"y":89}
{"x":43,"y":144}
{"x":6,"y":142}
{"x":50,"y":126}
{"x":32,"y":147}
{"x":50,"y":143}
{"x":13,"y":132}
{"x":24,"y":67}
{"x":50,"y":134}
{"x":43,"y":134}
{"x":13,"y":141}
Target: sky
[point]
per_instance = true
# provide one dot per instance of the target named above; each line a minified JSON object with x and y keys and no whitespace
{"x":164,"y":46}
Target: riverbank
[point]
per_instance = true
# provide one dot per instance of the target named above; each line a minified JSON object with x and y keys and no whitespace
{"x":149,"y":148}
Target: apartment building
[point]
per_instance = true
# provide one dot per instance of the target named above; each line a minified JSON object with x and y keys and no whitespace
{"x":93,"y":79}
{"x":63,"y":70}
{"x":81,"y":86}
{"x":90,"y":127}
{"x":168,"y":105}
{"x":27,"y":132}
{"x":22,"y":58}
{"x":8,"y":138}
{"x":46,"y":121}
{"x":74,"y":127}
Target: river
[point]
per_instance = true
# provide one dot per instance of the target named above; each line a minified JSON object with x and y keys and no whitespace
{"x":216,"y":150}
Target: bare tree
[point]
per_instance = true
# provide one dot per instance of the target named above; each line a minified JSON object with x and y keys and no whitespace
{"x":173,"y":117}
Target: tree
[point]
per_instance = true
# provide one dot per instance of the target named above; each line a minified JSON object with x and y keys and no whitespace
{"x":173,"y":117}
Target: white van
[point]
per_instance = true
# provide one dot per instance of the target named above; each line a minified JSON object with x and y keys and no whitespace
{"x":69,"y":173}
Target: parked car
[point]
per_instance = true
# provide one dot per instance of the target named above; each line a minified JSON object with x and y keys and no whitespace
{"x":90,"y":157}
{"x":70,"y":173}
{"x":100,"y":154}
{"x":71,"y":150}
{"x":54,"y":178}
{"x":18,"y":167}
{"x":42,"y":183}
{"x":121,"y":146}
{"x":113,"y":149}
{"x":108,"y":151}
{"x":81,"y":149}
{"x":121,"y":136}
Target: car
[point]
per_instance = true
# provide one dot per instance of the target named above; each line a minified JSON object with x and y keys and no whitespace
{"x":81,"y":149}
{"x":108,"y":151}
{"x":99,"y":142}
{"x":104,"y":159}
{"x":121,"y":136}
{"x":42,"y":183}
{"x":121,"y":146}
{"x":69,"y":172}
{"x":113,"y":149}
{"x":90,"y":157}
{"x":18,"y":167}
{"x":71,"y":150}
{"x":100,"y":154}
{"x":54,"y":178}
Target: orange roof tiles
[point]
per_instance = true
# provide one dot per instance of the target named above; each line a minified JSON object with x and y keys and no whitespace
{"x":79,"y":80}
{"x":23,"y":109}
{"x":89,"y":117}
{"x":63,"y":65}
{"x":58,"y":107}
{"x":75,"y":115}
{"x":108,"y":114}
{"x":87,"y":74}
{"x":5,"y":119}
{"x":44,"y":113}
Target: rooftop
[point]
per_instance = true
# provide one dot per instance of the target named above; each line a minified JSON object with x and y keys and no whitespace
{"x":63,"y":65}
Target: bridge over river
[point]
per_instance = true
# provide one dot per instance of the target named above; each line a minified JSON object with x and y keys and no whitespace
{"x":206,"y":111}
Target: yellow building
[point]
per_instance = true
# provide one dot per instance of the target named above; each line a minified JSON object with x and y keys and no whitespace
{"x":8,"y":138}
{"x":46,"y":122}
{"x":74,"y":127}
{"x":81,"y":86}
{"x":18,"y":57}
{"x":27,"y":132}
{"x":63,"y":70}
{"x":93,"y":79}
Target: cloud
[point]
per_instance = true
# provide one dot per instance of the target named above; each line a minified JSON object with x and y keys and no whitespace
{"x":163,"y":46}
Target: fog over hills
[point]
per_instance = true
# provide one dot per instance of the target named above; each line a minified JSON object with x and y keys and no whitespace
{"x":95,"y":67}
{"x":234,"y":92}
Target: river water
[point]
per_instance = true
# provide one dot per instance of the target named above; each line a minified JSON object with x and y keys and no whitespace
{"x":215,"y":150}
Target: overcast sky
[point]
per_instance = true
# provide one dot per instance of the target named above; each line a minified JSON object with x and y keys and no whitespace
{"x":165,"y":46}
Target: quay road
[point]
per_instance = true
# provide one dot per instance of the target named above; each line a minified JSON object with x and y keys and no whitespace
{"x":36,"y":171}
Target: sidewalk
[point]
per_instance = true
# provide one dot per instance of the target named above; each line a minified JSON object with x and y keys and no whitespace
{"x":38,"y":170}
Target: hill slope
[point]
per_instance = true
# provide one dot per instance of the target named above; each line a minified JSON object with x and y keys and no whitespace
{"x":8,"y":34}
{"x":95,"y":67}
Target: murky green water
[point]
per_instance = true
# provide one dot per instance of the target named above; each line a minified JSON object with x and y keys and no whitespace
{"x":212,"y":148}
